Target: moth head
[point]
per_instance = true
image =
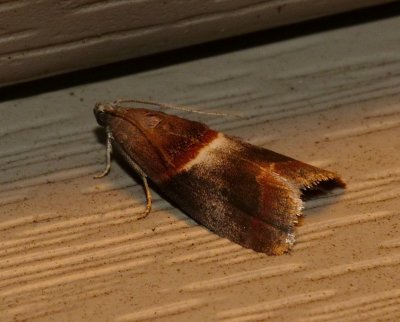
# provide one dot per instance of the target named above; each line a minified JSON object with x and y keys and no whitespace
{"x":100,"y":112}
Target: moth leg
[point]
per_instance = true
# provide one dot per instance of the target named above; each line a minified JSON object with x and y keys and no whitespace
{"x":145,"y":184}
{"x":148,"y":198}
{"x":143,"y":176}
{"x":108,"y":156}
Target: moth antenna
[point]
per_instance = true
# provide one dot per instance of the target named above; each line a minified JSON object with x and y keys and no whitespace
{"x":173,"y":107}
{"x":108,"y":156}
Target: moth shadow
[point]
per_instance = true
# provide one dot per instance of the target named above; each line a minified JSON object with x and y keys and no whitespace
{"x":321,"y":196}
{"x":329,"y":188}
{"x":101,"y":135}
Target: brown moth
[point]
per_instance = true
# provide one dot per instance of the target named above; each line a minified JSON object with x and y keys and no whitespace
{"x":242,"y":192}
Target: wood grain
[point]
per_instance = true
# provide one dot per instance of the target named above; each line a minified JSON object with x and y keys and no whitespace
{"x":42,"y":38}
{"x":71,"y":248}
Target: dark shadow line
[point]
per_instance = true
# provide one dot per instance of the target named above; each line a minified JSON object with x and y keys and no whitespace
{"x":204,"y":50}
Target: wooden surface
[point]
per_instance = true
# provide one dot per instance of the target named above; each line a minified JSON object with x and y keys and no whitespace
{"x":72,"y":250}
{"x":46,"y":37}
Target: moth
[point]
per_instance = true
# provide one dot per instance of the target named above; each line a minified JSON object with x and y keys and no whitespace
{"x":242,"y":192}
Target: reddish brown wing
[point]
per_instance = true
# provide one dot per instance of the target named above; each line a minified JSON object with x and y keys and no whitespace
{"x":237,"y":193}
{"x":245,"y":193}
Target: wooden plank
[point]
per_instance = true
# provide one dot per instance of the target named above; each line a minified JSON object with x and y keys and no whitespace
{"x":71,"y":248}
{"x":42,"y":38}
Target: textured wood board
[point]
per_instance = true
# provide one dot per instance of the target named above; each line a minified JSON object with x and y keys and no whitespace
{"x":72,"y":250}
{"x":45,"y":37}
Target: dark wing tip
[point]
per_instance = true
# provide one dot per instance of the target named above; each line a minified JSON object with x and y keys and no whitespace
{"x":298,"y":184}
